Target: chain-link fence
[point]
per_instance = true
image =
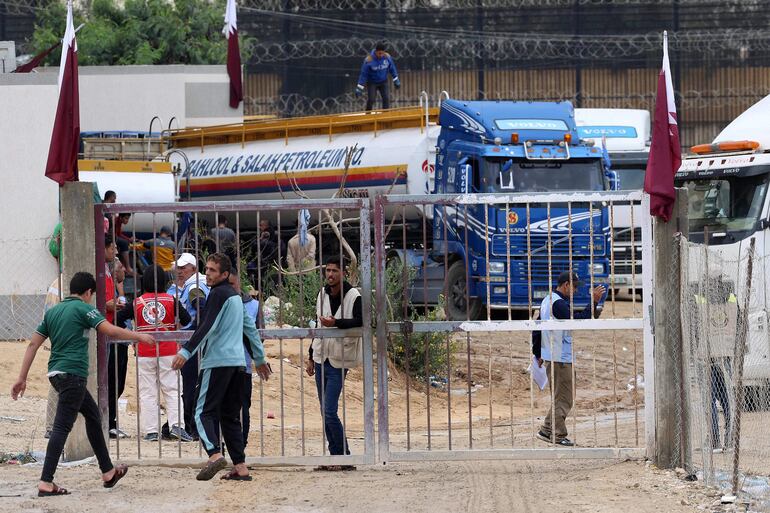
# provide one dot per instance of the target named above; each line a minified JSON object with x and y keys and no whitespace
{"x":28,"y":272}
{"x":726,"y":368}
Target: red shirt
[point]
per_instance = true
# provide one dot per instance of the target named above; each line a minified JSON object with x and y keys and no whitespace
{"x":109,"y":293}
{"x":155,"y":312}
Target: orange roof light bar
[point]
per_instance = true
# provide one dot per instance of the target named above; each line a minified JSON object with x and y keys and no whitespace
{"x":702,"y":149}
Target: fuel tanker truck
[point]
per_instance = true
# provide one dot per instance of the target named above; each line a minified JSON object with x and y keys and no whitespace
{"x":485,"y":147}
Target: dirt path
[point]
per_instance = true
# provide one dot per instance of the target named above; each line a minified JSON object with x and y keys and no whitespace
{"x":473,"y":487}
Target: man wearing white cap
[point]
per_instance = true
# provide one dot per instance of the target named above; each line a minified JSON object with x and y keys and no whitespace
{"x":191,"y":290}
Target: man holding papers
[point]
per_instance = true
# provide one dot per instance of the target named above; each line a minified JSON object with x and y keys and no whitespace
{"x":554,"y":348}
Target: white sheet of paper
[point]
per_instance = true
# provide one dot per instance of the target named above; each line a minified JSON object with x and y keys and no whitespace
{"x":539,"y":375}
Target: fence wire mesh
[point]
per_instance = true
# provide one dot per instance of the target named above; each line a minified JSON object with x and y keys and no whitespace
{"x":23,"y":294}
{"x":726,"y":369}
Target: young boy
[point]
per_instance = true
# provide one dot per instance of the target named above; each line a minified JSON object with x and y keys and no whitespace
{"x":67,"y":325}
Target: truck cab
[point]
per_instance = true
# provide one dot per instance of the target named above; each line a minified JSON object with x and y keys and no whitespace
{"x":727,"y":182}
{"x":626,"y":134}
{"x":507,"y":147}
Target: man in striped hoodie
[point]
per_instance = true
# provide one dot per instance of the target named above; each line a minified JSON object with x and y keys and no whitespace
{"x":220,"y":340}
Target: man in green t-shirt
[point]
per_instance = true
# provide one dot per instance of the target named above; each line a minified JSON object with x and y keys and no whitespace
{"x":67,"y":325}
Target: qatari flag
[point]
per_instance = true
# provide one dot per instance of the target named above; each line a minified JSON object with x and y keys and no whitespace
{"x":35,"y":62}
{"x":62,"y":163}
{"x":233,"y":55}
{"x":665,"y":152}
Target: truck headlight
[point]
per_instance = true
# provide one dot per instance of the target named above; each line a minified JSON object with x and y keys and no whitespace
{"x":597,"y":269}
{"x":497,"y":267}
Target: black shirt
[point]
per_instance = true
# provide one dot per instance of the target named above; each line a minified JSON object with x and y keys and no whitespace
{"x":335,"y":300}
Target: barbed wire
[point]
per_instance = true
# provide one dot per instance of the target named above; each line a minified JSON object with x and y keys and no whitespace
{"x":293,"y":105}
{"x":521,"y":46}
{"x":21,"y":7}
{"x":405,"y":5}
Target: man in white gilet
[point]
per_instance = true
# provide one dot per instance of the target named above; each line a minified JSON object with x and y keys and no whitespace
{"x":338,"y":306}
{"x":556,"y":353}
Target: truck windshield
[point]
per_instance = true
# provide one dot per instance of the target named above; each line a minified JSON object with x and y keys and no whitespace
{"x":726,"y":204}
{"x":542,"y":176}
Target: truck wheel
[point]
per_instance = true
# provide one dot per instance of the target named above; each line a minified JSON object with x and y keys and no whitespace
{"x":456,"y":307}
{"x":750,"y":399}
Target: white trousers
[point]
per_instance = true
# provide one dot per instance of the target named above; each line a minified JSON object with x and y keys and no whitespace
{"x":150,"y":379}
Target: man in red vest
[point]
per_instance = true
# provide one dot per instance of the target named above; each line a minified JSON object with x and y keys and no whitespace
{"x":154,"y":311}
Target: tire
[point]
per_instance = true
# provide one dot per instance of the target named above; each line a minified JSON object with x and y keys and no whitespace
{"x":751,"y":398}
{"x":456,"y":308}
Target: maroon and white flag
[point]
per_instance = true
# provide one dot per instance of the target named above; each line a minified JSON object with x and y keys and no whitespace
{"x":62,"y":165}
{"x":665,"y":151}
{"x":233,"y":55}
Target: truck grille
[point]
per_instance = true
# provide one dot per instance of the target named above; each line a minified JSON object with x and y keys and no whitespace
{"x":539,"y":245}
{"x":624,"y":235}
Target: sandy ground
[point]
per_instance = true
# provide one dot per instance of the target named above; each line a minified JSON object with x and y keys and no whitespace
{"x":501,"y":411}
{"x":588,"y":486}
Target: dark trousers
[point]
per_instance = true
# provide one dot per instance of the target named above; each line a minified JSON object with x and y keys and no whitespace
{"x":561,"y":384}
{"x":720,"y":379}
{"x":116,"y":373}
{"x":328,"y":382}
{"x":189,"y":394}
{"x":219,"y":404}
{"x":246,"y":387}
{"x":371,"y":94}
{"x":73,"y":399}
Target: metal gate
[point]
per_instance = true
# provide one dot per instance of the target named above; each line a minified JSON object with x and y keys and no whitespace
{"x":289,"y":430}
{"x":457,"y":389}
{"x":447,"y":389}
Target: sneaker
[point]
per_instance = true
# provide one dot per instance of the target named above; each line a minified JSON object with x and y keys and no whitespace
{"x":566,"y":442}
{"x":542,"y":436}
{"x":180,"y":434}
{"x":150,"y":437}
{"x":118,"y":433}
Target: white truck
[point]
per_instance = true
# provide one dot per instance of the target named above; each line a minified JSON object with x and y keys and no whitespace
{"x":727,"y":182}
{"x":627,"y":135}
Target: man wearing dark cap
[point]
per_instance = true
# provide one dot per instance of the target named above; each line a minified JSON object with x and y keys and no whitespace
{"x":554,"y":348}
{"x":374,"y":76}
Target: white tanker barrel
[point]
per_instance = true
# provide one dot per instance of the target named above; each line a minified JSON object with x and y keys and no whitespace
{"x":134,"y":182}
{"x":396,"y":161}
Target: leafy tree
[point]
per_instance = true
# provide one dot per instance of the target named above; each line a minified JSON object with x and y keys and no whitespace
{"x":139,"y":32}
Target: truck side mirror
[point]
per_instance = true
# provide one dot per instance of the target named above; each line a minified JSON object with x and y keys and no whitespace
{"x":764,"y":224}
{"x":613,"y":179}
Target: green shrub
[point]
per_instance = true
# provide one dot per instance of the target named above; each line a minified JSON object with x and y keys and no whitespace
{"x":408,"y":351}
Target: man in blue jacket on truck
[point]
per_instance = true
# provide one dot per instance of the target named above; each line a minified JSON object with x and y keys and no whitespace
{"x":220,"y":340}
{"x":374,"y":75}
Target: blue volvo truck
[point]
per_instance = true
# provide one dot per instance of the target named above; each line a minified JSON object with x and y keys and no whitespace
{"x":507,"y":147}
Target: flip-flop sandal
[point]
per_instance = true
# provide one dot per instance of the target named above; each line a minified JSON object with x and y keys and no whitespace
{"x":234,"y":476}
{"x":120,"y":471}
{"x":57,"y":490}
{"x":211,"y":469}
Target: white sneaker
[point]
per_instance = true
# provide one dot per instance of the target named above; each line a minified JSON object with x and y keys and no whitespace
{"x":118,"y":433}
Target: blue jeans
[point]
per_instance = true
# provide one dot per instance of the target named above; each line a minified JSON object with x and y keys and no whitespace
{"x":721,"y":376}
{"x":328,"y":382}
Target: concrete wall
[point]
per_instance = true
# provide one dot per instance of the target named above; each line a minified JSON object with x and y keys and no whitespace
{"x":111,"y":98}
